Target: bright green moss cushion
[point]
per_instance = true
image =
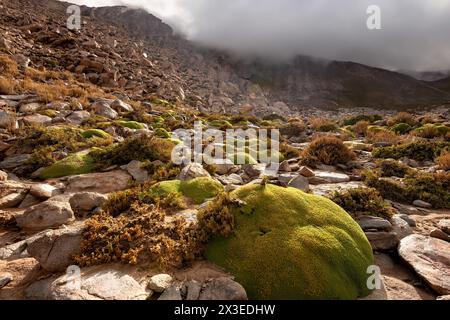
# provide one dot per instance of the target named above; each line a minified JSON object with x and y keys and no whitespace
{"x":198,"y":190}
{"x":74,"y":164}
{"x":94,"y":133}
{"x":292,"y":245}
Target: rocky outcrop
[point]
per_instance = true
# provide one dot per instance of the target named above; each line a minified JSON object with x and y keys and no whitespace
{"x":106,"y":182}
{"x":54,"y":249}
{"x":430,"y":258}
{"x":96,"y":283}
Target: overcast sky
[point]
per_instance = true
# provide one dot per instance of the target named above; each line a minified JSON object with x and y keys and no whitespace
{"x":415,"y":34}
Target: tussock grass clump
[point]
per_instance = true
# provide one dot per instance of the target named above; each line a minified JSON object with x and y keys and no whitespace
{"x":7,"y":86}
{"x":217,"y":219}
{"x":47,"y":144}
{"x":420,"y":150}
{"x":382,"y":136}
{"x":323,"y":125}
{"x":431,"y":188}
{"x":393,"y":168}
{"x":361,"y":127}
{"x":328,"y":150}
{"x":363,"y":202}
{"x":139,"y":147}
{"x":431,"y":131}
{"x":293,"y":129}
{"x":402,"y":117}
{"x":444,"y":161}
{"x":8,"y":67}
{"x":401,"y":128}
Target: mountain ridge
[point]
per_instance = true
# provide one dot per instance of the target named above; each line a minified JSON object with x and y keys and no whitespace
{"x":150,"y":59}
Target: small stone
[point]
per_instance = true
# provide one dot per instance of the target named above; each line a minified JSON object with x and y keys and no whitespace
{"x":103,"y":109}
{"x":43,"y":191}
{"x":29,"y":108}
{"x":383,"y":241}
{"x":331,"y":177}
{"x":172,"y":294}
{"x":14,"y":161}
{"x":410,"y":221}
{"x":3,"y":176}
{"x":223,"y":289}
{"x":5,"y":278}
{"x":160,"y":282}
{"x":444,"y":225}
{"x":29,"y":201}
{"x":13,"y":251}
{"x":12,"y":200}
{"x":135,"y":169}
{"x":54,"y":249}
{"x":422,"y":204}
{"x":306,"y":172}
{"x":370,"y":223}
{"x":192,"y":289}
{"x":37,"y":119}
{"x":285,"y":167}
{"x":46,"y":215}
{"x":121,"y":106}
{"x":192,"y":171}
{"x":300,"y":183}
{"x":84,"y":202}
{"x":77,"y":117}
{"x":439,"y":234}
{"x":401,"y":227}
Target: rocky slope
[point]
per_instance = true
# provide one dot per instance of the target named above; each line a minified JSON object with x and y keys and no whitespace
{"x":132,"y":49}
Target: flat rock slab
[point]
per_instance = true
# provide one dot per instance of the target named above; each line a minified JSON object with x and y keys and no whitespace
{"x":95,"y":283}
{"x":106,"y":182}
{"x":328,"y":189}
{"x":332,"y":177}
{"x":430,"y":258}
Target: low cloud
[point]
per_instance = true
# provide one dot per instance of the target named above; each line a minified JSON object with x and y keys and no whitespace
{"x":415,"y":34}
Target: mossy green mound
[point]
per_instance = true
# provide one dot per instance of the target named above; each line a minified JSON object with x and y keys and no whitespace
{"x":220,"y":124}
{"x":94,"y":133}
{"x":401,"y":128}
{"x":162,"y":133}
{"x":78,"y":163}
{"x":291,"y":245}
{"x":198,"y":190}
{"x":130,"y":124}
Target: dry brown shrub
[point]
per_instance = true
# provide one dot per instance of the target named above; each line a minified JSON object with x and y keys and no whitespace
{"x":322,"y":124}
{"x":360,"y":128}
{"x":383,"y":136}
{"x":328,"y":150}
{"x":8,"y":67}
{"x":402,"y":117}
{"x":444,"y":161}
{"x":7,"y":86}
